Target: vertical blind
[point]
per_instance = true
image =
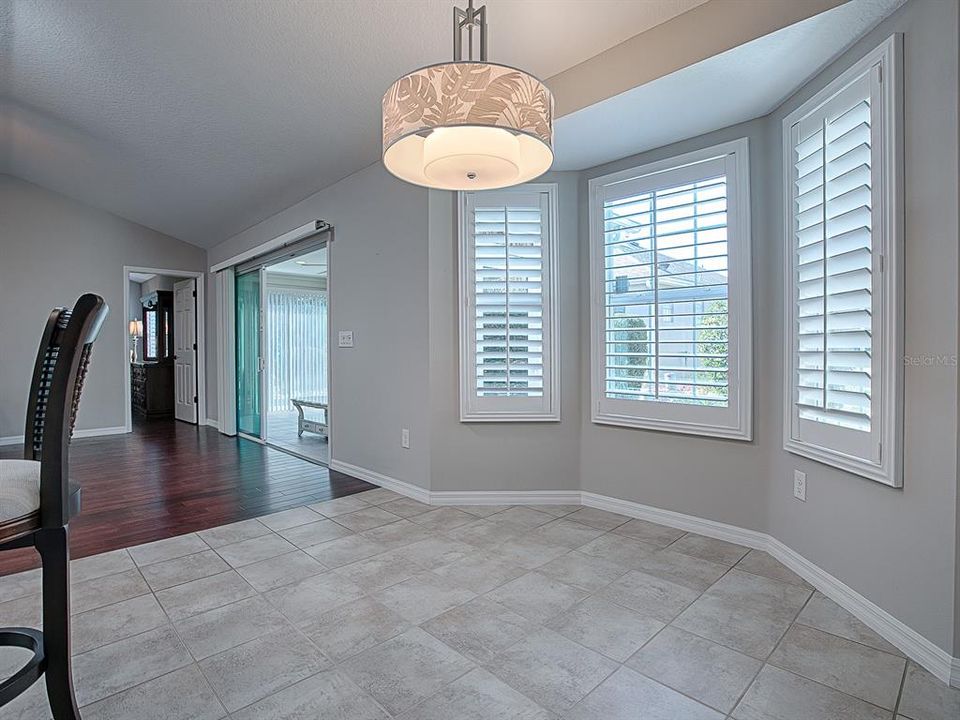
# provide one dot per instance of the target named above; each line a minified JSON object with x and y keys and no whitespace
{"x":834,"y":261}
{"x":665,"y":292}
{"x":508,"y":286}
{"x":297,"y":345}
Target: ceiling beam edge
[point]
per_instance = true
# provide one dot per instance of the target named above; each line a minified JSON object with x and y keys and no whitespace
{"x":707,"y":30}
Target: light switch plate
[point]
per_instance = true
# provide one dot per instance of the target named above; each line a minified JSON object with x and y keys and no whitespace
{"x":345,"y":339}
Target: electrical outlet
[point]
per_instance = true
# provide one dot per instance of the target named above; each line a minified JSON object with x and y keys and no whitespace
{"x":405,"y":438}
{"x":800,"y":485}
{"x":345,"y":339}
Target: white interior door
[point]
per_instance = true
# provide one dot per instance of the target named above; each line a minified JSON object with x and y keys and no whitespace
{"x":185,"y":349}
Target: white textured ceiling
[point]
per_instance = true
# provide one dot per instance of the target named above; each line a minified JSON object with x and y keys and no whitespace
{"x":738,"y":85}
{"x":200,"y":118}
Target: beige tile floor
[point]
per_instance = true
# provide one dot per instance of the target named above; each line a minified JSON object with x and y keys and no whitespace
{"x":375,"y":606}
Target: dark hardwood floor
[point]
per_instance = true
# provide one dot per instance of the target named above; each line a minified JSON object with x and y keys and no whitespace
{"x":167,"y":478}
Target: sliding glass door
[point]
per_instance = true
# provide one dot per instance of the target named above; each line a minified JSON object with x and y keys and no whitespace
{"x":282,"y":349}
{"x":249,"y":357}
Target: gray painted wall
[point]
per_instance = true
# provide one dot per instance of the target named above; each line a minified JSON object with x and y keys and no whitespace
{"x":501,"y":456}
{"x":378,"y":289}
{"x":135,"y":293}
{"x":53,"y":249}
{"x":896,"y":547}
{"x":134,"y":309}
{"x":159,"y":282}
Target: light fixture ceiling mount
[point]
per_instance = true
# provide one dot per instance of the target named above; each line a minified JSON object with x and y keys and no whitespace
{"x":468,"y":124}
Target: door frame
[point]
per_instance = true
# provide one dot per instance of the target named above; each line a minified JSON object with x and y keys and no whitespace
{"x":261,"y":356}
{"x":200,"y":277}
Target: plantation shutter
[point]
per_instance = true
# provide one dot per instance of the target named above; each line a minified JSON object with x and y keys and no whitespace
{"x":508,"y":315}
{"x":666,"y":289}
{"x":837,"y":307}
{"x":843,"y":207}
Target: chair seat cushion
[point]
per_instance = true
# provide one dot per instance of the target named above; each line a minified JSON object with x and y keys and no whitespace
{"x":19,"y":488}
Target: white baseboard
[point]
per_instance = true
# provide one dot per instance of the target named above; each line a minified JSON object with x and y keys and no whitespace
{"x":507,"y":497}
{"x":469,"y":497}
{"x":399,"y":486}
{"x":915,"y":646}
{"x":690,"y":523}
{"x":88,"y":433}
{"x":100,"y":432}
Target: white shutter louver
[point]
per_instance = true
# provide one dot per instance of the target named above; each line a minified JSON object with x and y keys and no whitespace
{"x":508,"y":286}
{"x":834,"y":313}
{"x":507,"y":320}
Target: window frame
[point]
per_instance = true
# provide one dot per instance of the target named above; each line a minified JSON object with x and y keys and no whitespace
{"x":887,"y":256}
{"x":546,"y":408}
{"x":734,"y":421}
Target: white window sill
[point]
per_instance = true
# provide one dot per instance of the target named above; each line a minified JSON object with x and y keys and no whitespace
{"x":880,"y":473}
{"x":685,"y":428}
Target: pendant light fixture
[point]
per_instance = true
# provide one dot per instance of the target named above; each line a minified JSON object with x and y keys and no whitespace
{"x":469,"y":124}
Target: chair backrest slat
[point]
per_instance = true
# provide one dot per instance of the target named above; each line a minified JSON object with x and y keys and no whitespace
{"x":58,"y":378}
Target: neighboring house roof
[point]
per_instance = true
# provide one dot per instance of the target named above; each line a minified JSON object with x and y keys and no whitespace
{"x":712,"y":285}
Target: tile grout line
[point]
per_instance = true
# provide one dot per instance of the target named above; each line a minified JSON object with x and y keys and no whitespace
{"x":764,"y":662}
{"x":186,"y":647}
{"x":196,"y":662}
{"x":592,"y":594}
{"x":903,"y":682}
{"x":671,"y":625}
{"x":849,"y":640}
{"x":809,"y":679}
{"x":334,"y":665}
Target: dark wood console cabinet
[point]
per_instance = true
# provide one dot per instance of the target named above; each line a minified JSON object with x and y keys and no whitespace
{"x":151,"y":389}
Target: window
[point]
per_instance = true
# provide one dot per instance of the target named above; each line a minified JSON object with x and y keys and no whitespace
{"x":157,"y":326}
{"x":150,"y":335}
{"x":670,"y":282}
{"x":508,"y":321}
{"x":842,"y":270}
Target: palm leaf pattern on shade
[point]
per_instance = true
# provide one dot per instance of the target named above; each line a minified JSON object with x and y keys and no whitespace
{"x":459,"y":85}
{"x":466,"y":81}
{"x":515,"y":99}
{"x":409,"y":98}
{"x":467,"y":94}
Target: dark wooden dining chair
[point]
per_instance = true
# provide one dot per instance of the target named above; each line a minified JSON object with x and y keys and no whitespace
{"x":37,"y":499}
